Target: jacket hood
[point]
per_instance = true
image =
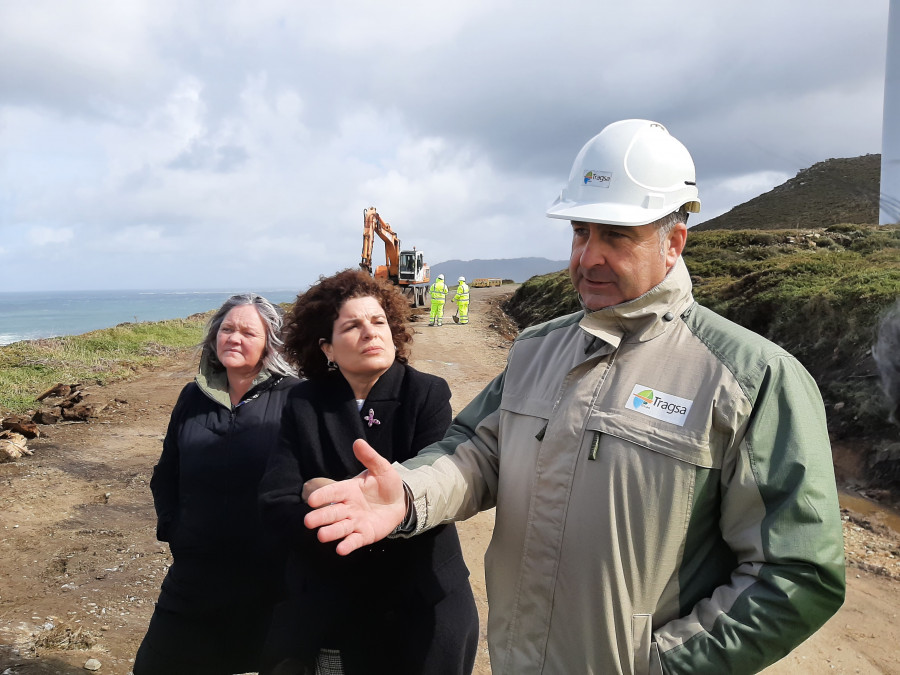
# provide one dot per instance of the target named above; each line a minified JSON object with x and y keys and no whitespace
{"x":648,"y":315}
{"x":214,"y":381}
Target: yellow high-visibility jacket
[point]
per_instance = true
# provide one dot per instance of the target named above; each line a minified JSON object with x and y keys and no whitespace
{"x":462,"y":293}
{"x":438,"y":290}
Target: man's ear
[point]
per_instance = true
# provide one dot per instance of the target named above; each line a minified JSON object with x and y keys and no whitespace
{"x":676,"y":240}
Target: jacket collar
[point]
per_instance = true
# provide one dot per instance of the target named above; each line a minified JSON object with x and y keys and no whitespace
{"x":643,"y":318}
{"x":343,"y":422}
{"x":387,"y":387}
{"x":214,"y":381}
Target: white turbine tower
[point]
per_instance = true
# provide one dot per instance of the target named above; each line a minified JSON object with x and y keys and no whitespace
{"x":890,"y":124}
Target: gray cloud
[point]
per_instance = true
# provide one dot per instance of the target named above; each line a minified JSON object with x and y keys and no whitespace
{"x":172,"y":143}
{"x":204,"y":156}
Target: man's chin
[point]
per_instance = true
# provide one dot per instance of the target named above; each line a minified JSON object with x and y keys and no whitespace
{"x":593,"y":302}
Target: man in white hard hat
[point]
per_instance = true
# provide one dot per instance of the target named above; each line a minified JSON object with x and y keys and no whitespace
{"x":438,"y":292}
{"x":664,"y":487}
{"x":461,"y":298}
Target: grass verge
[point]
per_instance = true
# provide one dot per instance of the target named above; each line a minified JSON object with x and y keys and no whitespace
{"x":30,"y":367}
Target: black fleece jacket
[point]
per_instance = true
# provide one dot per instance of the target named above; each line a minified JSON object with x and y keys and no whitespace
{"x":205,"y":490}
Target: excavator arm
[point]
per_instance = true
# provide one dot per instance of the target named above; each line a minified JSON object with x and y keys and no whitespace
{"x":372,"y":225}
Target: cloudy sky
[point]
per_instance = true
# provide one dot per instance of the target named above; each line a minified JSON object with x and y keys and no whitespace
{"x":235,"y":143}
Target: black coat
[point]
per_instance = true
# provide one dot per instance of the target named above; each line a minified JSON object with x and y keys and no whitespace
{"x":395,"y":582}
{"x":205,"y":490}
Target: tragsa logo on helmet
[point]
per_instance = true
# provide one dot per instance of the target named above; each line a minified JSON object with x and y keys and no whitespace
{"x":597,"y":178}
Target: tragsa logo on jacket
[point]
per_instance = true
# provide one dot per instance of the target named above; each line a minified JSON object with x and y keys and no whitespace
{"x":659,"y":405}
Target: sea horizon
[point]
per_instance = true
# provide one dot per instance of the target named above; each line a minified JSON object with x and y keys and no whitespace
{"x":34,"y":315}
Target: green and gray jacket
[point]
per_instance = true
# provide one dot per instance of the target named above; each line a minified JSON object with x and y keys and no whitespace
{"x":664,"y":488}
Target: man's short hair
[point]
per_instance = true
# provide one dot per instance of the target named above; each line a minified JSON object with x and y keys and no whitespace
{"x":665,"y":224}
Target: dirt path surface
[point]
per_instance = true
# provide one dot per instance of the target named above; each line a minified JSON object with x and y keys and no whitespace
{"x":80,"y":567}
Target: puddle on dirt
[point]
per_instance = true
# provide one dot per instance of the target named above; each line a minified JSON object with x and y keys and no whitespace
{"x":874,"y":510}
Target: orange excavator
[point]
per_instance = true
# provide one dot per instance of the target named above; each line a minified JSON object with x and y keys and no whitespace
{"x":406,"y":269}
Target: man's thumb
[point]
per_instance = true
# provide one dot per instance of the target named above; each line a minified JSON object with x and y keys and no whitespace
{"x":365,"y":453}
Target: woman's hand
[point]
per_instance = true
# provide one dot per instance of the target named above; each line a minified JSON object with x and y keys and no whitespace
{"x":312,"y":485}
{"x":360,"y":510}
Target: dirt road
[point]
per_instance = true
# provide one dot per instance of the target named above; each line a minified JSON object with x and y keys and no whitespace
{"x":80,"y":566}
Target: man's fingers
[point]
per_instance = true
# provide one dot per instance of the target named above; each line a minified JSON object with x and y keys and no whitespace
{"x":326,"y":515}
{"x":336,"y":530}
{"x":312,"y":485}
{"x":342,"y":490}
{"x":329,"y":494}
{"x":359,"y":510}
{"x":341,"y":529}
{"x":350,"y":544}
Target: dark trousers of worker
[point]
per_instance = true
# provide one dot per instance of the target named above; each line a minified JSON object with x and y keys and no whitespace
{"x":223,"y":642}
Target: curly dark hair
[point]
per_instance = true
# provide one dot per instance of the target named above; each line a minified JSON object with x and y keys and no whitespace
{"x":314,"y":312}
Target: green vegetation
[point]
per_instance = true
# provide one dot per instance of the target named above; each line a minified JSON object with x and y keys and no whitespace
{"x":31,"y":367}
{"x":834,"y":191}
{"x":819,"y":293}
{"x":542,"y":298}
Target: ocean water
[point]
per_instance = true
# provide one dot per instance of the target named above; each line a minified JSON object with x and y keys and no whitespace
{"x":34,"y":315}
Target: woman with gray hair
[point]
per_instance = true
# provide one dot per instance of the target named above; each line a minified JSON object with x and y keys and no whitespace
{"x":216,"y":600}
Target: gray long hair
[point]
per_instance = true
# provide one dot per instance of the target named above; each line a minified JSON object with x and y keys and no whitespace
{"x":271,"y":316}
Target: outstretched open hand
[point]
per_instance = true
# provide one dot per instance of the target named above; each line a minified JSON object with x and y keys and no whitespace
{"x":359,"y":510}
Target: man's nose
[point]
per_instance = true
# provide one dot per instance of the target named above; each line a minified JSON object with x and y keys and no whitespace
{"x":594,"y":251}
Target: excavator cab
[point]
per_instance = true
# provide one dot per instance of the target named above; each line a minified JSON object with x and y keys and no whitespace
{"x":413,"y":269}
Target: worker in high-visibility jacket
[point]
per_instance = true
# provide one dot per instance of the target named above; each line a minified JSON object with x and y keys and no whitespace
{"x":462,"y":300}
{"x":438,"y":293}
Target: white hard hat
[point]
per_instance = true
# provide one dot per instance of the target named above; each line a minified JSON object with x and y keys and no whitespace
{"x":440,"y":276}
{"x":461,"y":279}
{"x":631,"y":173}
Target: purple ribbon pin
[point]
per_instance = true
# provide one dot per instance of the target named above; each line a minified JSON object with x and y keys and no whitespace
{"x":371,"y":418}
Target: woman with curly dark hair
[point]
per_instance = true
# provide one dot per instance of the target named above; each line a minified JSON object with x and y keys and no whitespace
{"x":348,"y":334}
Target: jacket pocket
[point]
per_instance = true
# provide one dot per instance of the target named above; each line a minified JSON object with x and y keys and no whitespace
{"x":529,"y":405}
{"x":682,"y":444}
{"x":531,"y":415}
